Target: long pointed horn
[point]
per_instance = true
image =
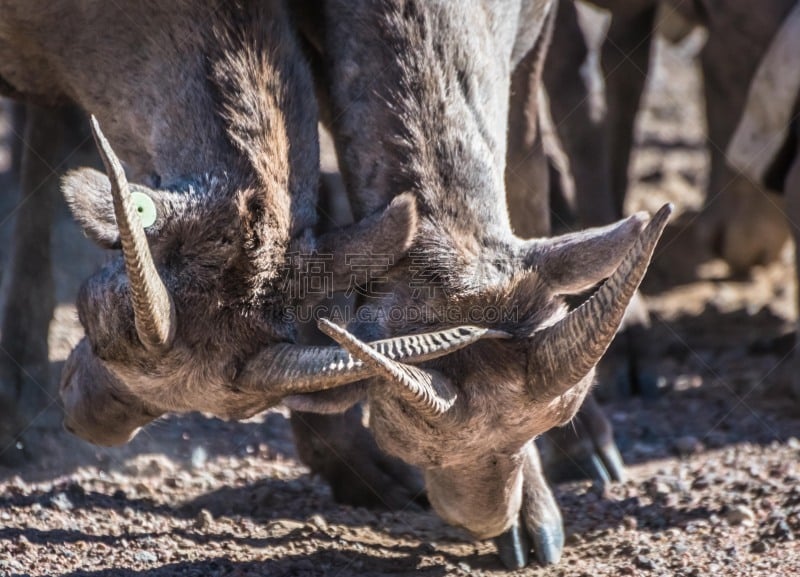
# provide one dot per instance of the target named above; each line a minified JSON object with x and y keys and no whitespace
{"x":286,"y":369}
{"x":429,"y":392}
{"x":562,"y":354}
{"x":153,"y":308}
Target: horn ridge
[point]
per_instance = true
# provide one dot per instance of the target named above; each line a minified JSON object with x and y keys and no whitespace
{"x":154,"y":311}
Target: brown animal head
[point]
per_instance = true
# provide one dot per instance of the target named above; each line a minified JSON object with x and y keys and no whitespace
{"x":200,"y":289}
{"x":475,"y":410}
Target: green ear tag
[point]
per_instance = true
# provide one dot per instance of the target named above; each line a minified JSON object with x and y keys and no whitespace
{"x":145,"y":207}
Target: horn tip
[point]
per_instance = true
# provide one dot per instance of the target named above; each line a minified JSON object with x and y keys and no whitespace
{"x":329,"y":328}
{"x":665,"y":211}
{"x":659,"y":220}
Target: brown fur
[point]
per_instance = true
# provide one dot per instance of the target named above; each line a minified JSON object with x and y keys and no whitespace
{"x":419,"y":91}
{"x":209,"y":106}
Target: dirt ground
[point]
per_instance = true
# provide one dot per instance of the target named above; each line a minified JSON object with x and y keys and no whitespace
{"x":714,"y":477}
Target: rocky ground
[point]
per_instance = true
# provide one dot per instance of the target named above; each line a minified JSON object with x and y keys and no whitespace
{"x":714,"y":477}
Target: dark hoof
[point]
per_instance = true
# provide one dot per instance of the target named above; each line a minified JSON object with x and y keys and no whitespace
{"x":514,"y":547}
{"x":546,"y":541}
{"x":612,"y":462}
{"x":577,"y":468}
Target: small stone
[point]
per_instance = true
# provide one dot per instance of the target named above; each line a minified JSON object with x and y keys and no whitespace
{"x":145,"y":557}
{"x":203,"y":520}
{"x":643,"y":562}
{"x":465,"y":568}
{"x":318,"y":522}
{"x":759,"y":547}
{"x":793,"y":443}
{"x":630,"y":522}
{"x":199,"y":457}
{"x":61,"y":502}
{"x":285,"y":526}
{"x":687,"y":445}
{"x":659,"y":489}
{"x":23,"y":544}
{"x":739,"y":515}
{"x":782,"y":531}
{"x":679,"y":548}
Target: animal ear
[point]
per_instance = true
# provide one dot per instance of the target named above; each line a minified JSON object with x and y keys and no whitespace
{"x":574,"y":262}
{"x":387,"y":234}
{"x":88,"y":194}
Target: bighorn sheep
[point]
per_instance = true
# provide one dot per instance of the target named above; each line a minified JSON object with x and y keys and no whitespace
{"x":211,"y":107}
{"x":420,"y":93}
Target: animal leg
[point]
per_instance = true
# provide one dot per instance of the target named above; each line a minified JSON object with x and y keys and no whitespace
{"x":341,"y":450}
{"x":625,"y":61}
{"x":793,"y":209}
{"x":581,"y":130}
{"x":526,"y":173}
{"x":583,"y":448}
{"x":540,"y":528}
{"x":28,"y":284}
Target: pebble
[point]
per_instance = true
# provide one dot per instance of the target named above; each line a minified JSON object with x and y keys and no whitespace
{"x":687,"y":445}
{"x":23,"y":544}
{"x":203,"y":520}
{"x":287,"y":525}
{"x":630,"y":522}
{"x":643,"y":562}
{"x":740,"y":515}
{"x":145,"y":557}
{"x":318,"y":521}
{"x":61,"y":502}
{"x":659,"y":489}
{"x":199,"y":457}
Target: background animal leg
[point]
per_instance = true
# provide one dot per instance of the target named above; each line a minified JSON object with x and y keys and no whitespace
{"x":583,"y":448}
{"x":28,"y":289}
{"x":341,"y":450}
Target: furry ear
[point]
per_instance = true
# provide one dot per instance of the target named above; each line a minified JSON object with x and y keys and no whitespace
{"x":388,"y":234}
{"x":88,"y":194}
{"x":572,"y":263}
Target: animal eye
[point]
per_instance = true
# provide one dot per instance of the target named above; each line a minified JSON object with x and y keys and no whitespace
{"x":145,"y":207}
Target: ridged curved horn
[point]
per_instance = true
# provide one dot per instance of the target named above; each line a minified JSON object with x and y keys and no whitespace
{"x":561,"y":355}
{"x":287,"y":369}
{"x":153,"y":308}
{"x":430,"y":393}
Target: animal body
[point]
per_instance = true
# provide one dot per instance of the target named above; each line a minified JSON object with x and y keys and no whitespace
{"x":418,"y":94}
